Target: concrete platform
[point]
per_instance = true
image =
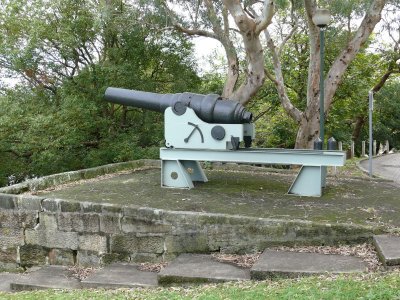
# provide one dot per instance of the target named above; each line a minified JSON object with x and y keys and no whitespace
{"x":48,"y":277}
{"x":199,"y":268}
{"x":120,"y":276}
{"x":388,"y":248}
{"x":276,"y":264}
{"x":247,"y":191}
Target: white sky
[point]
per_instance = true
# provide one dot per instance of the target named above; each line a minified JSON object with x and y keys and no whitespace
{"x":205,"y":49}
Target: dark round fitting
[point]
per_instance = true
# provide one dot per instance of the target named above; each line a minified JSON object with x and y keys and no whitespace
{"x":218,"y":133}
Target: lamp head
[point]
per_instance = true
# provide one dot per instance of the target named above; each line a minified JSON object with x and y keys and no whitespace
{"x":321,"y":17}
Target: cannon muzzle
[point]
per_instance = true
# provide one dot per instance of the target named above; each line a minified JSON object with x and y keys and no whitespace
{"x":209,"y":108}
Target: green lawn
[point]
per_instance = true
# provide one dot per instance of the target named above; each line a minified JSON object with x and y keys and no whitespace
{"x":368,"y":287}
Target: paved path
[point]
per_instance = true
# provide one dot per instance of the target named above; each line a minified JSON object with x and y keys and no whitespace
{"x":386,"y":166}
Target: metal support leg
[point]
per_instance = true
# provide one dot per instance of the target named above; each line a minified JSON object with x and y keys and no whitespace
{"x":308,"y":182}
{"x":181,"y":174}
{"x":323,"y":177}
{"x":195,"y":171}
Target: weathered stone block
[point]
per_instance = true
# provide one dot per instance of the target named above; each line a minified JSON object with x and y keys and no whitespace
{"x":189,"y":242}
{"x":87,"y":258}
{"x":93,"y":242}
{"x":186,"y":217}
{"x":61,"y":257}
{"x":78,"y":222}
{"x":33,"y":255}
{"x":110,"y":223}
{"x":116,"y":257}
{"x":17,"y":218}
{"x":145,"y":214}
{"x":111,"y":209}
{"x":151,"y":244}
{"x":211,"y":219}
{"x":129,"y":224}
{"x":50,"y":205}
{"x":70,"y":206}
{"x":74,"y":175}
{"x":121,"y":243}
{"x":9,"y":255}
{"x":47,"y":221}
{"x":8,"y":201}
{"x":16,"y":188}
{"x":30,"y":203}
{"x":52,"y":238}
{"x":11,"y":237}
{"x":10,"y":267}
{"x":93,"y":172}
{"x":89,"y":207}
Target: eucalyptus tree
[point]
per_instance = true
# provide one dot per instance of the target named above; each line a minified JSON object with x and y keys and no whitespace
{"x":262,"y":29}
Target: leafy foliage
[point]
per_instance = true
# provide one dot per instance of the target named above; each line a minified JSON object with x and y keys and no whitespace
{"x":55,"y":119}
{"x":387,"y":115}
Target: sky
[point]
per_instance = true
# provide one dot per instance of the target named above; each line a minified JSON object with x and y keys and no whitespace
{"x":204,"y":52}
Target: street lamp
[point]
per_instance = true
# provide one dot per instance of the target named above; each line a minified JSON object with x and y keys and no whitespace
{"x":321,"y":18}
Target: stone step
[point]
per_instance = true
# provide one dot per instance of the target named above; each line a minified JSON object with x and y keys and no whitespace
{"x":120,"y":275}
{"x":388,"y":248}
{"x":277,"y":264}
{"x":200,"y":268}
{"x":6,"y":279}
{"x":48,"y":277}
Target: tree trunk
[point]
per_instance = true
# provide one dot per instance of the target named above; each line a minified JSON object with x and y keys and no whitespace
{"x":250,"y":31}
{"x":308,"y":131}
{"x":360,"y":121}
{"x":232,"y":72}
{"x":309,"y":124}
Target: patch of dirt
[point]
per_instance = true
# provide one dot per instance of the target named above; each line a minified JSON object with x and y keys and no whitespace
{"x":81,"y":273}
{"x":152,"y":267}
{"x":244,"y":261}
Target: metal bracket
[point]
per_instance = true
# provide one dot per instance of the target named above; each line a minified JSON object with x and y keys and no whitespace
{"x":308,"y":182}
{"x":181,"y":173}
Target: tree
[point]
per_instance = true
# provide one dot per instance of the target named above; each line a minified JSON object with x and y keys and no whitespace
{"x":389,"y":59}
{"x":65,"y":54}
{"x":213,"y":19}
{"x":387,"y":114}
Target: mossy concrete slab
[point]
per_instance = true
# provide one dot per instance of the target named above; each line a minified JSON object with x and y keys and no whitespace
{"x":277,"y":264}
{"x":250,"y":192}
{"x":388,"y":248}
{"x":48,"y":277}
{"x":120,"y":275}
{"x":200,"y":268}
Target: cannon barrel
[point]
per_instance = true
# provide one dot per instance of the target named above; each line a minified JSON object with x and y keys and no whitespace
{"x":210,"y":108}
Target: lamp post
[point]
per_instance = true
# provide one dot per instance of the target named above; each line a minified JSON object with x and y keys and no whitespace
{"x":321,"y":18}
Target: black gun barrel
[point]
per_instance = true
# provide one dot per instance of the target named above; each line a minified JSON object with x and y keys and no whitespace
{"x":209,"y":108}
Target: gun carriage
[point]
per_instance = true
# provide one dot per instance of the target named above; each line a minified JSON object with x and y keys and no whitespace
{"x":209,"y":128}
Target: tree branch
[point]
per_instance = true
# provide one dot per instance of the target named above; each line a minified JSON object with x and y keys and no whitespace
{"x":266,"y":18}
{"x":279,"y":82}
{"x":341,"y":63}
{"x":188,"y":31}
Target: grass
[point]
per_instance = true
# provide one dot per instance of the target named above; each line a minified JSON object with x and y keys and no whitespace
{"x":342,"y":287}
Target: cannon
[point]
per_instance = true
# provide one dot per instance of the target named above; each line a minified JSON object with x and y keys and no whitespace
{"x":209,"y":108}
{"x":193,"y":121}
{"x":209,"y":128}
